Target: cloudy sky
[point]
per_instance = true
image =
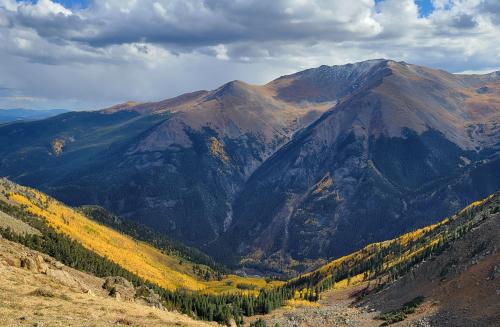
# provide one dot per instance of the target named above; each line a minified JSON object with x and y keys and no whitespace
{"x":89,"y":54}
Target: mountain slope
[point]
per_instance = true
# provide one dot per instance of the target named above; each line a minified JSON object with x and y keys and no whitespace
{"x":309,"y":166}
{"x":174,"y":165}
{"x":445,"y":274}
{"x":69,"y":297}
{"x":166,"y":270}
{"x":426,"y":264}
{"x":462,"y":282}
{"x":408,"y":146}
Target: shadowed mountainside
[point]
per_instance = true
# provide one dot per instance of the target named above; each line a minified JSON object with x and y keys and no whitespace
{"x":309,"y":166}
{"x":410,"y":145}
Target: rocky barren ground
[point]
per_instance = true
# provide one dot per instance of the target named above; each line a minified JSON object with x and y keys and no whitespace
{"x":36,"y":290}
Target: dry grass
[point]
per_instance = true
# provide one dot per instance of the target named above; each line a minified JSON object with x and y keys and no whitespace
{"x":16,"y":225}
{"x":43,"y":292}
{"x":47,"y":304}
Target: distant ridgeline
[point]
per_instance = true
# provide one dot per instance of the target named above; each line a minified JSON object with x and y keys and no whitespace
{"x":231,"y":297}
{"x":13,"y":115}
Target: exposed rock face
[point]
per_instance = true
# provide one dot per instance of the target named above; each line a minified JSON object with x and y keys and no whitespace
{"x":148,"y":297}
{"x":308,"y":166}
{"x":119,"y":287}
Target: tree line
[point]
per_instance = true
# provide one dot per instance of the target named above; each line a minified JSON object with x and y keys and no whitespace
{"x":222,"y":308}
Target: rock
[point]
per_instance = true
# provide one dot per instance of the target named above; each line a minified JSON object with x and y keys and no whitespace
{"x":41,"y":265}
{"x":29,"y":263}
{"x":119,"y":287}
{"x":63,"y":277}
{"x":149,"y":297}
{"x":496,"y":272}
{"x":58,"y":265}
{"x":39,"y":259}
{"x":42,"y":268}
{"x":89,"y":292}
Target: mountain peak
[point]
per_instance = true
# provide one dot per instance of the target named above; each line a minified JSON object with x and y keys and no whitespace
{"x":328,"y":83}
{"x":233,"y":88}
{"x":121,"y":106}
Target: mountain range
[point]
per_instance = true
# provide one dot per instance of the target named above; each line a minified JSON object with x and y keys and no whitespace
{"x":279,"y":176}
{"x":18,"y":114}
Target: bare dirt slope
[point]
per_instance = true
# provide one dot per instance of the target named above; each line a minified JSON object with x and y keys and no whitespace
{"x":36,"y":290}
{"x":462,"y":285}
{"x":335,"y":309}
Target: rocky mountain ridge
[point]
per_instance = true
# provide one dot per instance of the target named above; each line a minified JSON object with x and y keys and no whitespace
{"x":307,"y":167}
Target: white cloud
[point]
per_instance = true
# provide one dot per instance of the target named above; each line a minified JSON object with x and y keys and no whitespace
{"x":221,"y":52}
{"x":42,"y":8}
{"x":115,"y":50}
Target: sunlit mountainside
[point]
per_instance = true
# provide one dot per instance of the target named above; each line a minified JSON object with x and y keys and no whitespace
{"x":370,"y":273}
{"x":168,"y":271}
{"x":282,"y":176}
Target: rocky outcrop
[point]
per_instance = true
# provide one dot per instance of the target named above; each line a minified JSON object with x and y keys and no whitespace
{"x":147,"y":296}
{"x":119,"y":288}
{"x":29,"y":261}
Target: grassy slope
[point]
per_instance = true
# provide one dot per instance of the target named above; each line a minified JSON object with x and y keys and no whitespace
{"x":138,"y":257}
{"x":16,"y":225}
{"x":65,"y":302}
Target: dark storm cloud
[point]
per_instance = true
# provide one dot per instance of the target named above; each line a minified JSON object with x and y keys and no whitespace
{"x":115,"y":50}
{"x":203,"y":23}
{"x":464,"y":21}
{"x":492,"y":9}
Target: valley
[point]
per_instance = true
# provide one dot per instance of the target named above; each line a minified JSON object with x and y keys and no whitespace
{"x":168,"y":271}
{"x":363,"y":194}
{"x":250,"y":163}
{"x":446,"y":264}
{"x":332,"y":158}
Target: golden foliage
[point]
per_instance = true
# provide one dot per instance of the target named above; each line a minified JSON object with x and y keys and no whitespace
{"x":344,"y":283}
{"x":217,"y":150}
{"x":298,"y":303}
{"x":138,"y":257}
{"x":325,"y":183}
{"x":57,"y":146}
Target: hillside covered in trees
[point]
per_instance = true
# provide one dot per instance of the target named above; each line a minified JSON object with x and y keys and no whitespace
{"x":198,"y":288}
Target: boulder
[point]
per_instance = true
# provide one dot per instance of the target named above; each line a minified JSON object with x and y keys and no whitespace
{"x":496,"y":272}
{"x":29,"y":264}
{"x":149,"y":297}
{"x":58,"y":265}
{"x":119,"y":288}
{"x":41,"y":265}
